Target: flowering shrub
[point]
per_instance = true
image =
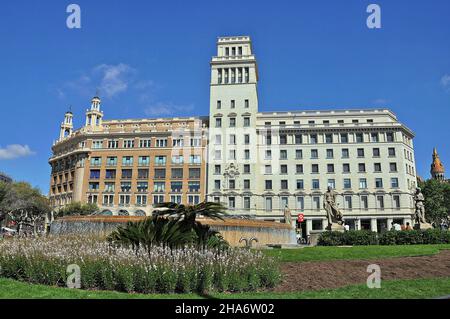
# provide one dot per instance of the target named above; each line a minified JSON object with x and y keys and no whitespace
{"x":159,"y":270}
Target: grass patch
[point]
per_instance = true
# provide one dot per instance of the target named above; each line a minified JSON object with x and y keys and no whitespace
{"x":396,"y":289}
{"x":323,"y":253}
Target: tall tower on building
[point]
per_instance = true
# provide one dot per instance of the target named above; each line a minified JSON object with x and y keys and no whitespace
{"x":94,"y":116}
{"x":437,"y":168}
{"x":66,"y":126}
{"x":233,"y":110}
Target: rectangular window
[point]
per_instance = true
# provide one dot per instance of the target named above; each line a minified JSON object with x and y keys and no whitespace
{"x":246,"y":169}
{"x":283,"y":154}
{"x":315,"y":184}
{"x":94,"y":174}
{"x":246,"y":184}
{"x":394,"y":182}
{"x":158,"y":199}
{"x":176,"y":187}
{"x":284,"y":169}
{"x":219,"y":104}
{"x":232,"y":122}
{"x":331,"y":183}
{"x":160,"y":160}
{"x":299,"y":168}
{"x":161,"y":142}
{"x":316,"y":203}
{"x":111,"y":161}
{"x":284,"y":184}
{"x":125,"y":187}
{"x":159,"y":187}
{"x":217,"y":170}
{"x":246,"y":104}
{"x":314,"y":154}
{"x":217,"y":184}
{"x":361,"y":168}
{"x":246,"y":139}
{"x":347,"y":183}
{"x":97,"y":144}
{"x":144,"y":161}
{"x":268,"y":184}
{"x":142,"y":187}
{"x":300,"y":203}
{"x":232,"y":184}
{"x":246,"y":203}
{"x":232,"y":139}
{"x":268,"y":202}
{"x":141,"y":200}
{"x":128,"y":144}
{"x":113,"y":144}
{"x":268,"y":169}
{"x":393,"y":167}
{"x":142,"y":173}
{"x":110,"y":174}
{"x":396,"y":199}
{"x":127,"y":173}
{"x":127,"y":161}
{"x":175,"y":199}
{"x":233,"y":104}
{"x":145,"y":143}
{"x":160,"y":173}
{"x":365,"y":202}
{"x":329,"y":153}
{"x":298,"y":139}
{"x":348,"y":202}
{"x":374,"y":137}
{"x":378,"y":183}
{"x":177,"y":173}
{"x":359,"y":137}
{"x":380,"y":202}
{"x":344,"y":138}
{"x":246,"y":122}
{"x":194,"y":187}
{"x":177,"y":159}
{"x":329,"y":138}
{"x":283,"y":139}
{"x":345,"y":153}
{"x":391,"y":151}
{"x":346,"y":168}
{"x":390,"y":137}
{"x":298,"y":154}
{"x":377,"y":167}
{"x":218,"y":122}
{"x":360,"y":152}
{"x":96,"y":161}
{"x":194,"y":173}
{"x":313,"y":138}
{"x":315,"y":168}
{"x":363,"y":183}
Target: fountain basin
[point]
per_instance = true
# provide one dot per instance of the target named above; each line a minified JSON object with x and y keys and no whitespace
{"x":267,"y":233}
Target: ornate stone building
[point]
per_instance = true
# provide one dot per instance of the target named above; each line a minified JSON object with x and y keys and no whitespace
{"x":258,"y":163}
{"x":125,"y":166}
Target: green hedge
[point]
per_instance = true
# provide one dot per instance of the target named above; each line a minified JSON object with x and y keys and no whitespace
{"x":365,"y":237}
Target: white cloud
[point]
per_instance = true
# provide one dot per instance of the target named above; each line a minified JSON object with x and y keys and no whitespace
{"x":15,"y":151}
{"x":115,"y":79}
{"x":165,"y":109}
{"x":445,"y":81}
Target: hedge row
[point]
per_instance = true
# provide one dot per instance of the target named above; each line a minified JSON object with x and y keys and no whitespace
{"x":365,"y":237}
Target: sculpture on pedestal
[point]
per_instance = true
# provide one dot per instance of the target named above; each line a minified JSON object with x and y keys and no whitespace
{"x":287,"y":216}
{"x":334,"y":215}
{"x":419,"y":210}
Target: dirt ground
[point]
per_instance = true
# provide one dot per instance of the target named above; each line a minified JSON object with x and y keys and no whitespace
{"x":300,"y":276}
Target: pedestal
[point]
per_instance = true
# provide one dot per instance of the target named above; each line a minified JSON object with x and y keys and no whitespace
{"x":314,"y":237}
{"x":336,"y":227}
{"x":423,"y":226}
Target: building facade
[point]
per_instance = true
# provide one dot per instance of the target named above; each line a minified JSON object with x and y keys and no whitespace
{"x":262,"y":163}
{"x":259,"y":164}
{"x":125,"y":166}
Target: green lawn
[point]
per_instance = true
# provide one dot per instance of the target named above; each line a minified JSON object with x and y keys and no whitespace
{"x":321,"y":253}
{"x":419,"y":288}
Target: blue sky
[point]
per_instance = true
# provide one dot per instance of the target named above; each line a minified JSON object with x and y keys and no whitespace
{"x":151,"y":59}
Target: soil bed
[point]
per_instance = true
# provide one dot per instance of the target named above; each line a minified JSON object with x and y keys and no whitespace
{"x":301,"y":276}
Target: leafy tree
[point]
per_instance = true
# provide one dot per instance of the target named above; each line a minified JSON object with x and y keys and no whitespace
{"x":24,"y":204}
{"x":77,"y":208}
{"x":437,"y":200}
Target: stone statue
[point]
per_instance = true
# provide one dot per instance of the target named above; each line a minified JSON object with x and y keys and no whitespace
{"x":419,"y":210}
{"x":287,"y":216}
{"x":334,"y":215}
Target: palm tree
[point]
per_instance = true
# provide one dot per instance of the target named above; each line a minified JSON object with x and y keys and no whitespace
{"x":189,"y":213}
{"x":174,"y":225}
